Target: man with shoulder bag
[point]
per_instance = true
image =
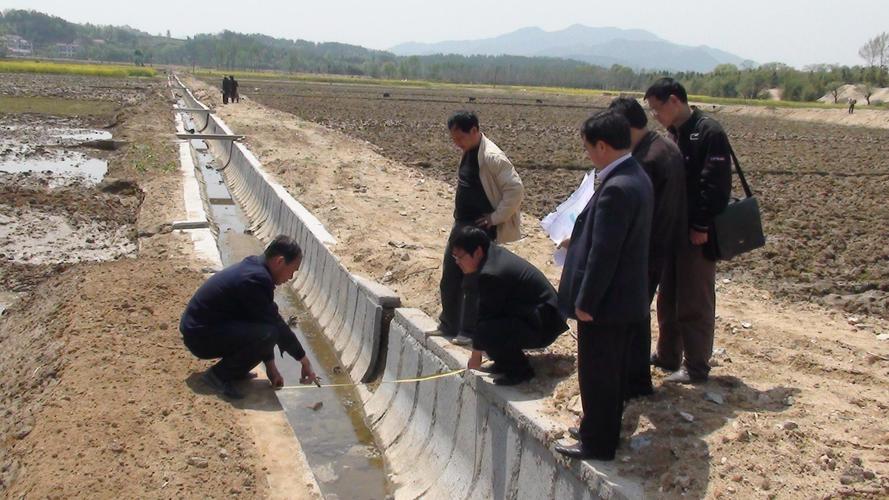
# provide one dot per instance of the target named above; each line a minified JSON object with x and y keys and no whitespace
{"x":687,"y":297}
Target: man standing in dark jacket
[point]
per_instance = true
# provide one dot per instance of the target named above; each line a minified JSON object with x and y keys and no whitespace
{"x":226,"y":89}
{"x":687,"y":300}
{"x":233,"y":316}
{"x":662,"y":161}
{"x":604,"y":283}
{"x":517,"y":306}
{"x":234,"y":95}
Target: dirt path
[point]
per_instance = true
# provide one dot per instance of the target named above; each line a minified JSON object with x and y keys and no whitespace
{"x":100,"y":399}
{"x":802,"y":389}
{"x":872,"y":118}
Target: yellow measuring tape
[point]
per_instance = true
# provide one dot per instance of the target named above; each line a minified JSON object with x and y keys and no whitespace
{"x":401,"y":381}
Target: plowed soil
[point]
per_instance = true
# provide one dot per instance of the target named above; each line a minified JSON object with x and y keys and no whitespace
{"x":821,"y":187}
{"x":99,"y":398}
{"x":800,"y":389}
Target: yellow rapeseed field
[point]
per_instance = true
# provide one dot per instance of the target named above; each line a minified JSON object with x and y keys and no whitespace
{"x":10,"y":66}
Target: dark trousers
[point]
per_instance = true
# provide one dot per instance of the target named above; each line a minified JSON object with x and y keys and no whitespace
{"x":241,"y":346}
{"x":601,"y":371}
{"x":686,"y":311}
{"x":451,"y":287}
{"x":225,"y":98}
{"x":639,"y":357}
{"x":504,"y":339}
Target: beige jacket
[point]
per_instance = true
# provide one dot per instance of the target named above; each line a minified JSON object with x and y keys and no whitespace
{"x":504,"y":189}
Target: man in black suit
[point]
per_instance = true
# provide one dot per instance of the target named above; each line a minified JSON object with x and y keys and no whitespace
{"x":517,"y":307}
{"x":604,"y":283}
{"x":661,"y":160}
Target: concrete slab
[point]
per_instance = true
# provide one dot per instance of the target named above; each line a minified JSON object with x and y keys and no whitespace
{"x":380,"y":294}
{"x":455,"y":437}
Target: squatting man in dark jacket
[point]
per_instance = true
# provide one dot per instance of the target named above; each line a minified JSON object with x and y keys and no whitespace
{"x":233,"y":316}
{"x":516,"y":306}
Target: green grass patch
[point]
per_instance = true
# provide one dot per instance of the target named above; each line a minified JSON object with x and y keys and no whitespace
{"x":47,"y":67}
{"x":145,"y":158}
{"x":55,"y":106}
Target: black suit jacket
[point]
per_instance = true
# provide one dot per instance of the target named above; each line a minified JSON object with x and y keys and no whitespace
{"x":606,"y":269}
{"x":508,"y":285}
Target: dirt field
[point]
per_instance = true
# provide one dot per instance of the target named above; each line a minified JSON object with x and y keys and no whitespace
{"x":99,"y":398}
{"x":821,"y":188}
{"x":799,"y":390}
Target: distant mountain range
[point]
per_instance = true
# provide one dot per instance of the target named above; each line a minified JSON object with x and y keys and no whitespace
{"x":637,"y":49}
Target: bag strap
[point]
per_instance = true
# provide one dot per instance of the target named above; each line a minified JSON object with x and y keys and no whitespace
{"x":747,"y":191}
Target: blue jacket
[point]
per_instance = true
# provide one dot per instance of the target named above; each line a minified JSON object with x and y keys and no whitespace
{"x":242,"y":292}
{"x":606,"y":269}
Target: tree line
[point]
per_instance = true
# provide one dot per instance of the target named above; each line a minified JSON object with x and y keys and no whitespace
{"x":255,"y":52}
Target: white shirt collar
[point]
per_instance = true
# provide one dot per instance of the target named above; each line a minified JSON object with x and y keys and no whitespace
{"x":602,"y":173}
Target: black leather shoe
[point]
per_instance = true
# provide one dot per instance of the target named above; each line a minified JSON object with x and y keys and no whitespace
{"x":638,"y":393}
{"x":491,"y":368}
{"x":579,"y":452}
{"x":444,"y":330}
{"x":246,"y":376}
{"x":574,"y":432}
{"x":223,"y":387}
{"x":656,"y":361}
{"x":514,"y":378}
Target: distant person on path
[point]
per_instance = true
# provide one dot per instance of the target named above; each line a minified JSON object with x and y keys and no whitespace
{"x":226,"y":89}
{"x":233,"y":316}
{"x":661,"y":160}
{"x":852,"y":103}
{"x":604,"y":284}
{"x":235,"y":96}
{"x":687,"y":298}
{"x":517,"y":307}
{"x":489,"y":193}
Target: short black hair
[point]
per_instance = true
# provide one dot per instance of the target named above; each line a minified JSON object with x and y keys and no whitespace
{"x":471,"y":238}
{"x":629,"y":108}
{"x":463,"y":120}
{"x":609,"y":127}
{"x":284,"y":246}
{"x":663,"y":88}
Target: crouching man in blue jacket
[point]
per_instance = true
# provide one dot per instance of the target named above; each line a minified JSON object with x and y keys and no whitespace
{"x":233,"y":316}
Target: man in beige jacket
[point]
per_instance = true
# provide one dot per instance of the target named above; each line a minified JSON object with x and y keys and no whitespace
{"x":489,"y":193}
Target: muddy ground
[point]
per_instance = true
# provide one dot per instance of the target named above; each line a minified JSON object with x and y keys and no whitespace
{"x":821,"y":187}
{"x":797,"y":402}
{"x":99,"y":397}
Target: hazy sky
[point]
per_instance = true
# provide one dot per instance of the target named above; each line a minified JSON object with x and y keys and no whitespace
{"x":797,"y":32}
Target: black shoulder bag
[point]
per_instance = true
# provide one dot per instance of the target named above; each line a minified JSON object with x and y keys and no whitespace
{"x":738,"y":229}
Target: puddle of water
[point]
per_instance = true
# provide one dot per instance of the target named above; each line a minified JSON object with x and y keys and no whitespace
{"x":77,"y":135}
{"x":41,"y":151}
{"x":74,"y":164}
{"x":334,"y":436}
{"x":59,"y":136}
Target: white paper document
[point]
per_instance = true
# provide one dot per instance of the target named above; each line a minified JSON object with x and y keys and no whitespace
{"x":559,"y":224}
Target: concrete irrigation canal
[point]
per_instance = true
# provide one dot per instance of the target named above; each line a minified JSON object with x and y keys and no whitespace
{"x":455,"y":436}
